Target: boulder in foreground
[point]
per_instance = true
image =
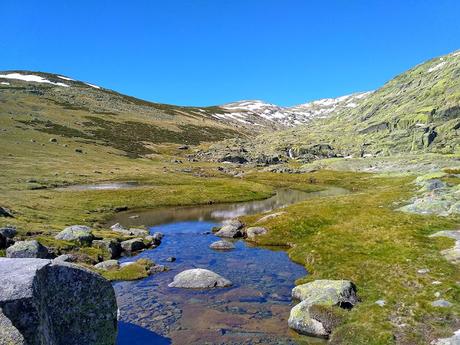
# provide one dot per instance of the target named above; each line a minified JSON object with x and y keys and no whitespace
{"x":199,"y":278}
{"x":311,"y":316}
{"x":48,"y":303}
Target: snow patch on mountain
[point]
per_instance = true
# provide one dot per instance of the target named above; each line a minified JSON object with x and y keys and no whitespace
{"x":30,"y":78}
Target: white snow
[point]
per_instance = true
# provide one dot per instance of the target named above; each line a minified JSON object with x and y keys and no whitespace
{"x":438,"y":66}
{"x":95,"y":86}
{"x":4,"y":83}
{"x":65,"y":78}
{"x":30,"y":78}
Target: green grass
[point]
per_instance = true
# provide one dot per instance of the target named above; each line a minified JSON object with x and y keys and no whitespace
{"x":135,"y":271}
{"x":362,"y":238}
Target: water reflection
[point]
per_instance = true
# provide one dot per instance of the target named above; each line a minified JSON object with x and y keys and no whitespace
{"x":219,"y":212}
{"x":101,"y":186}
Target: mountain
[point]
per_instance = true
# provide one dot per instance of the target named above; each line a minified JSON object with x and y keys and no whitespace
{"x":417,"y":111}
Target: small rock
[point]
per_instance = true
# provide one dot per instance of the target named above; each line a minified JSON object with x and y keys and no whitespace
{"x":437,"y":294}
{"x":255,"y":231}
{"x":78,"y":150}
{"x":63,"y":258}
{"x":53,"y":140}
{"x":441,"y":303}
{"x":133,"y":245}
{"x":4,"y":212}
{"x":157,"y":269}
{"x":183,"y":147}
{"x":231,"y":229}
{"x":79,"y":233}
{"x":108,"y":265}
{"x":423,"y":271}
{"x":222,"y":245}
{"x":270,"y":216}
{"x":27,"y":249}
{"x":158,"y":236}
{"x":117,"y":227}
{"x":171,"y":259}
{"x":120,"y":208}
{"x":8,"y":231}
{"x":380,"y":302}
{"x":133,"y":217}
{"x":199,"y":278}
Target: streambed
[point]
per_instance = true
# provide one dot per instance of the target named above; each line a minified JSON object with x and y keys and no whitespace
{"x":253,"y":311}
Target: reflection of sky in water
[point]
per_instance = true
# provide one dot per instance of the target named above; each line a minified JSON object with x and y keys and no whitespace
{"x":262,"y":280}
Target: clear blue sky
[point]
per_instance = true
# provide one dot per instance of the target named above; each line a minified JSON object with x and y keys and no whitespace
{"x":204,"y":52}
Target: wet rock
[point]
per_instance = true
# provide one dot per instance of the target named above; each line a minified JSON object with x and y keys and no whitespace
{"x":27,"y":249}
{"x":4,"y":212}
{"x":255,"y":231}
{"x":133,"y":245}
{"x":171,"y":259}
{"x":112,"y":247}
{"x":222,"y":245}
{"x":78,"y":233}
{"x":45,"y":302}
{"x":157,"y":269}
{"x":108,"y":265}
{"x":441,"y":303}
{"x":199,"y":278}
{"x":158,"y":236}
{"x":340,"y":293}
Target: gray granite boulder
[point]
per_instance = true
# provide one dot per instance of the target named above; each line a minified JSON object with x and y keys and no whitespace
{"x":199,"y":278}
{"x":231,"y":228}
{"x":78,"y":233}
{"x":222,"y":245}
{"x":133,"y":245}
{"x":341,"y":293}
{"x":27,"y":249}
{"x":255,"y":231}
{"x":111,"y":246}
{"x":48,"y":303}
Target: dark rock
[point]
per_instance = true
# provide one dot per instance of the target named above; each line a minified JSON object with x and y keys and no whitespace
{"x":4,"y":212}
{"x":183,"y":147}
{"x":120,"y":208}
{"x":112,"y":246}
{"x":171,"y":259}
{"x":8,"y":231}
{"x":48,"y":303}
{"x":27,"y":249}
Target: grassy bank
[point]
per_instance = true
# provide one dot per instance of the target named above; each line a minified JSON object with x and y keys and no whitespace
{"x":361,"y":237}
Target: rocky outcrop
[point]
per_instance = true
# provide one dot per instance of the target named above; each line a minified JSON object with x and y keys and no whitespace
{"x":27,"y":249}
{"x":451,"y":254}
{"x":222,"y":245}
{"x":323,"y":293}
{"x":199,"y":278}
{"x":48,"y":303}
{"x":79,"y":233}
{"x":253,"y":232}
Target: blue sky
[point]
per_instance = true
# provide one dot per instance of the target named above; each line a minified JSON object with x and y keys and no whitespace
{"x":205,"y":52}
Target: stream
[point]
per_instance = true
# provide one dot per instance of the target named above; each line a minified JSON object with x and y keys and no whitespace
{"x":252,"y":311}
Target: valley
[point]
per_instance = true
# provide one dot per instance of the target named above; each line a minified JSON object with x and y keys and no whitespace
{"x":394,"y":151}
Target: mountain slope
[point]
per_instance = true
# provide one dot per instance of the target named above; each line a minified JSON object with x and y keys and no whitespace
{"x":417,"y":111}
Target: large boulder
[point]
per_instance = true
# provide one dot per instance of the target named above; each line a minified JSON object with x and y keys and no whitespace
{"x":133,"y":245}
{"x":27,"y":249}
{"x":199,"y":278}
{"x":111,"y":246}
{"x":222,"y":245}
{"x":328,"y":293}
{"x":49,"y":303}
{"x":78,"y":233}
{"x":255,"y":231}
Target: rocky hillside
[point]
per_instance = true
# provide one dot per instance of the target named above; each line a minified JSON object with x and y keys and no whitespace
{"x":417,"y":111}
